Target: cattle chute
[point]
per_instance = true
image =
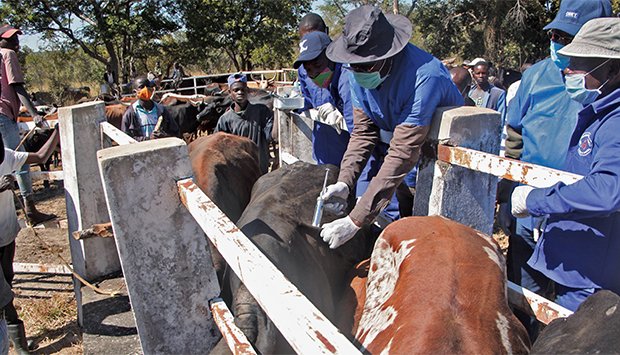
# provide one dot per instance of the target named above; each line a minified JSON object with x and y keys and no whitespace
{"x":81,"y":126}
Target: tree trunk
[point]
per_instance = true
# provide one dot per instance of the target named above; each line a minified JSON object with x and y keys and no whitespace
{"x":395,"y":7}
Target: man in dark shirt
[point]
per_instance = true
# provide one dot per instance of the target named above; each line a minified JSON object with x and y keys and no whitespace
{"x":253,"y":121}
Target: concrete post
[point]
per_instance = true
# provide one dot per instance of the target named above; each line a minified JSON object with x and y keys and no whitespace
{"x":164,"y":252}
{"x":80,"y":140}
{"x":294,"y":133}
{"x":458,"y":193}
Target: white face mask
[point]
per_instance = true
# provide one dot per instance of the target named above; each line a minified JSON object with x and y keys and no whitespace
{"x":576,"y":87}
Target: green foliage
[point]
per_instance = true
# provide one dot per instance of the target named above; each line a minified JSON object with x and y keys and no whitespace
{"x":56,"y":70}
{"x":252,"y":33}
{"x":112,"y":31}
{"x":507,"y":32}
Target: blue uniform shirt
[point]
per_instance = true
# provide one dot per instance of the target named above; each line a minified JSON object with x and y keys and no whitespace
{"x":580,"y":247}
{"x":417,"y":84}
{"x":544,"y":114}
{"x":328,"y":146}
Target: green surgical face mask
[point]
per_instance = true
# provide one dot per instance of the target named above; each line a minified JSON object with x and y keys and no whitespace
{"x":369,"y":80}
{"x":324,"y":78}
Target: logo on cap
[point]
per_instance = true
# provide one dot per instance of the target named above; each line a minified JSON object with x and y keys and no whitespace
{"x":302,"y":46}
{"x":571,"y":14}
{"x":585,"y":144}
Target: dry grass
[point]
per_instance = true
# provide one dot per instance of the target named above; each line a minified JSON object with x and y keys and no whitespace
{"x":51,"y":323}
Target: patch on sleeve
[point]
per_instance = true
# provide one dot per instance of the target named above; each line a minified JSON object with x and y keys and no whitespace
{"x":585,"y":144}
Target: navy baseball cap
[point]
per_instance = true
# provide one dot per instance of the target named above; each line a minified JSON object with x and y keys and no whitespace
{"x":575,"y":13}
{"x":311,"y":46}
{"x":237,"y":77}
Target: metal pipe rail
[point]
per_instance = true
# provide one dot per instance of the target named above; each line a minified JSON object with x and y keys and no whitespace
{"x":306,"y":329}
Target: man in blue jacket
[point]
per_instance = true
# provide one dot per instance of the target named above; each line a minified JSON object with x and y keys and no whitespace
{"x":395,"y":90}
{"x":580,"y":247}
{"x":541,"y":118}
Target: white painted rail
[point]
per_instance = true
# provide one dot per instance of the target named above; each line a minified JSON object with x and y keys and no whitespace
{"x":515,"y":170}
{"x":300,"y":322}
{"x":236,"y":340}
{"x":116,"y":134}
{"x":544,"y":309}
{"x":47,"y":175}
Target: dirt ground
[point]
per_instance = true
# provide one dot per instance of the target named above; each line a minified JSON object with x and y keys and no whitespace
{"x":46,"y":303}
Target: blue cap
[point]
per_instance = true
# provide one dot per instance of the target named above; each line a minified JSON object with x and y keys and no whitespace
{"x":311,"y":46}
{"x":575,"y":13}
{"x":237,"y":77}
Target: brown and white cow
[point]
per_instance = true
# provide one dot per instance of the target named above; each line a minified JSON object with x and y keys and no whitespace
{"x":434,"y":287}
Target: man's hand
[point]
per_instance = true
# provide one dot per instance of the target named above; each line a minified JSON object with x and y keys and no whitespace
{"x":339,"y":232}
{"x":6,"y":182}
{"x":38,"y":120}
{"x":330,"y":115}
{"x":335,"y":197}
{"x":519,"y":199}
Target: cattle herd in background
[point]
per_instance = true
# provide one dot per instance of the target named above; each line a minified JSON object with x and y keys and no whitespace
{"x":423,"y":285}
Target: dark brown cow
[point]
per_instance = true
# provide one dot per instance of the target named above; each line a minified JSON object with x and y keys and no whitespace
{"x":225,"y":168}
{"x":438,"y":287}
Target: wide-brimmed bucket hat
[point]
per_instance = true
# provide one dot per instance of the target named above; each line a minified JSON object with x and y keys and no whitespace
{"x":369,"y":35}
{"x":598,"y":38}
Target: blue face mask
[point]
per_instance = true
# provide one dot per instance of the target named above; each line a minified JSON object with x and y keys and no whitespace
{"x":576,"y":87}
{"x":559,"y":60}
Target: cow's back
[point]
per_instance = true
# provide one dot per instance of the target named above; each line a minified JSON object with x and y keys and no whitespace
{"x":437,"y":286}
{"x":225,"y":168}
{"x":593,"y":329}
{"x":278,"y":220}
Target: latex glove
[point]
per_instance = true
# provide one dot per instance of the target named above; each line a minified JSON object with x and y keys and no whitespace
{"x":335,"y":197}
{"x":329,"y":115}
{"x":6,"y":182}
{"x":339,"y":232}
{"x":38,"y":120}
{"x":325,"y":110}
{"x":518,"y":199}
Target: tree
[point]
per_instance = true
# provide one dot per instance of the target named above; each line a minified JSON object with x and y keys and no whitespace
{"x":108,"y":31}
{"x":247,"y":31}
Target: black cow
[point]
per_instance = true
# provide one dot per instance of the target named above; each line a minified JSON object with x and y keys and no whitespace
{"x":203,"y":117}
{"x":34,"y":142}
{"x":277,"y":220}
{"x":593,"y":329}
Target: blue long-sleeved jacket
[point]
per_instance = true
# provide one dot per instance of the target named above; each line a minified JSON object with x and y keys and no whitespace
{"x":544,"y":114}
{"x":580,"y":247}
{"x":328,"y":146}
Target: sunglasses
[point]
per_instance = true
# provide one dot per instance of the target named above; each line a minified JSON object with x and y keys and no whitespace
{"x":559,"y":37}
{"x":365,"y":67}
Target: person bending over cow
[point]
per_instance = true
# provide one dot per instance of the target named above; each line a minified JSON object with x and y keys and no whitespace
{"x":10,"y":162}
{"x":253,"y":121}
{"x":580,"y":246}
{"x":326,"y":88}
{"x":395,"y":91}
{"x":146,"y":119}
{"x":12,"y":93}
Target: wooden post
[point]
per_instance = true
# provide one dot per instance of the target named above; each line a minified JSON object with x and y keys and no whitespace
{"x":164,"y":253}
{"x":455,"y":192}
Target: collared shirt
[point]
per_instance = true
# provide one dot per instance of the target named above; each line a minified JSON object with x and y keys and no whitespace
{"x":328,"y":146}
{"x":493,"y":98}
{"x":417,"y":84}
{"x":255,"y":123}
{"x":580,"y":247}
{"x":10,"y":73}
{"x":13,"y":162}
{"x":147,"y":118}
